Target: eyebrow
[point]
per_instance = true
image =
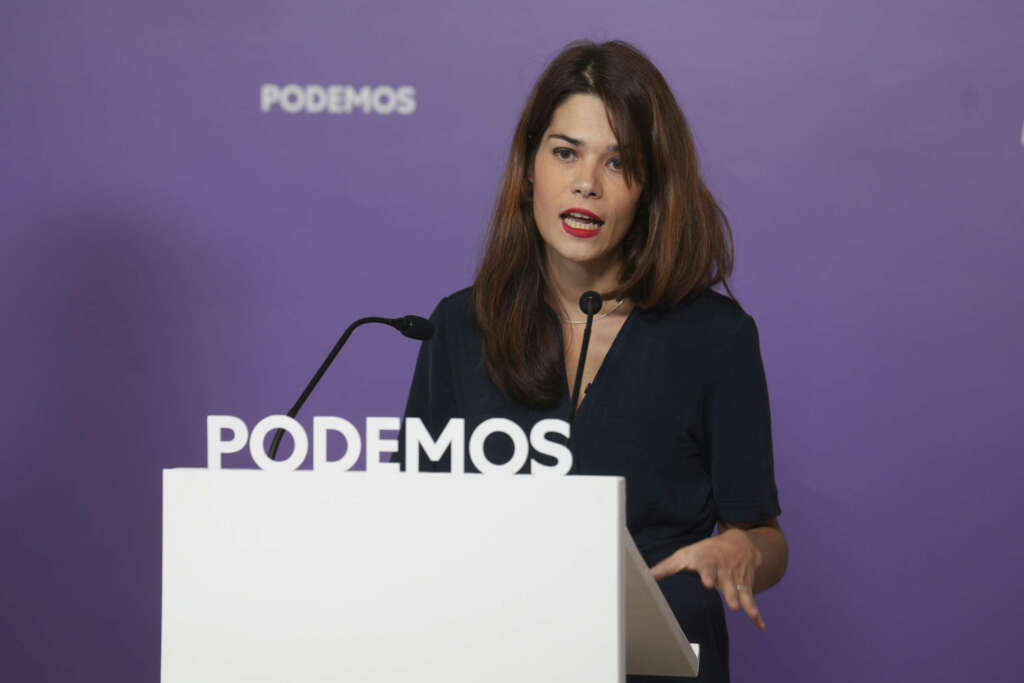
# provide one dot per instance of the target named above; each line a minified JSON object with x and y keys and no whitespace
{"x":578,"y":143}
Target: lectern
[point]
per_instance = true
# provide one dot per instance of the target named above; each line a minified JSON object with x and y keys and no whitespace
{"x":310,"y":577}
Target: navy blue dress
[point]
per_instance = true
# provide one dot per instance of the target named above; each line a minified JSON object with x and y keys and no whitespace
{"x":679,"y":408}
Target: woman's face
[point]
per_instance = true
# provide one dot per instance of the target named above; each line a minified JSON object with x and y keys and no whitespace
{"x":581,"y":201}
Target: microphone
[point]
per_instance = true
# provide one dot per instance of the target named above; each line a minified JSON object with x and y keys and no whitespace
{"x":590,"y":303}
{"x":414,"y":327}
{"x":411,"y":326}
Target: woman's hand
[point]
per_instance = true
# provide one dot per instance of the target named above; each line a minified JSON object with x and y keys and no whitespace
{"x":726,"y":562}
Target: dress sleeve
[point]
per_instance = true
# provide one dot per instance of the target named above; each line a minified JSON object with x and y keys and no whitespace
{"x":431,"y":396}
{"x":738,"y":431}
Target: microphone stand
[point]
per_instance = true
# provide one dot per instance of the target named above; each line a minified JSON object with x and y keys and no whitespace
{"x":410,"y":326}
{"x":590,"y":303}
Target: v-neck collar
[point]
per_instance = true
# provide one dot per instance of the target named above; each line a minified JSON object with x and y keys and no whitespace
{"x":610,"y":356}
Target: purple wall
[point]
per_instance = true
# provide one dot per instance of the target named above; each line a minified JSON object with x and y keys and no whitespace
{"x":169,"y":252}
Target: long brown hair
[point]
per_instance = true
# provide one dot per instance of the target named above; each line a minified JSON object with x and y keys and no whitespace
{"x":679,"y":244}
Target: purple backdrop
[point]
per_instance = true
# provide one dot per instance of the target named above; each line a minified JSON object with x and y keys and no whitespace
{"x":170,"y":251}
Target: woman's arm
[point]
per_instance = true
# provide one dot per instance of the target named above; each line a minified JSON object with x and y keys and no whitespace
{"x":744,"y":557}
{"x":767,"y":537}
{"x":741,"y":560}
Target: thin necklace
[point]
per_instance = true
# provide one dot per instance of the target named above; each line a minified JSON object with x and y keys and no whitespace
{"x":596,"y":317}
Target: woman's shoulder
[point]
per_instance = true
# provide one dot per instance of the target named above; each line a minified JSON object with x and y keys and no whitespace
{"x":706,"y":312}
{"x":708,"y":326}
{"x":454,"y":311}
{"x":457,"y":302}
{"x":460,"y":299}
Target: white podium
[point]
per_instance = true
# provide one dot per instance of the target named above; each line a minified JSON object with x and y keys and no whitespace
{"x":310,"y":577}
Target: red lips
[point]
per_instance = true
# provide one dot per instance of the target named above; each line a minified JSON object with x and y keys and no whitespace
{"x":583,"y":212}
{"x":582,"y":232}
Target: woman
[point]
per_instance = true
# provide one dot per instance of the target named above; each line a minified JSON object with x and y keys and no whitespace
{"x":602,"y":192}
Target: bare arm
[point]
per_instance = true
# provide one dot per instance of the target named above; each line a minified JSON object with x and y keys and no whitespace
{"x":771,"y":544}
{"x":741,"y":560}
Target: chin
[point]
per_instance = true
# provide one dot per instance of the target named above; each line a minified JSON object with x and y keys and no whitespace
{"x":578,"y":256}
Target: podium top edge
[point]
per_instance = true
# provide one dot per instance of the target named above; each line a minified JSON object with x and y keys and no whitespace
{"x":177,"y":473}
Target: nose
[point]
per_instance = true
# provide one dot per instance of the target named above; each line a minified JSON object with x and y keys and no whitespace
{"x":587,"y":182}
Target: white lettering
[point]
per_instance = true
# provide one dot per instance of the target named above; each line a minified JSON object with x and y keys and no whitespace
{"x":520,"y":446}
{"x":294,"y":429}
{"x":561,"y":454}
{"x":406,"y":100}
{"x":384,"y":100}
{"x":359,"y":98}
{"x":270,"y":95}
{"x":375,"y":444}
{"x":337,"y":102}
{"x":313,"y":98}
{"x":316,"y":99}
{"x":215,"y":447}
{"x":453,"y":436}
{"x":452,"y":439}
{"x":292,"y":99}
{"x":353,"y":443}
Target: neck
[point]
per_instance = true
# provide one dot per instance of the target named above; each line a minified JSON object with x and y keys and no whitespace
{"x":568,"y":280}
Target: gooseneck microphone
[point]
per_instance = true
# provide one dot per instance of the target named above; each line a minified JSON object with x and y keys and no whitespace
{"x":590,"y":303}
{"x":411,"y":326}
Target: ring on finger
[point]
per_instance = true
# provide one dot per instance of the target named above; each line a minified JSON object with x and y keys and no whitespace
{"x":740,"y":586}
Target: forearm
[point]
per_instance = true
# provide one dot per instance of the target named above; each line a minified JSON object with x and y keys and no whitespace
{"x":770,"y":542}
{"x":774,"y":555}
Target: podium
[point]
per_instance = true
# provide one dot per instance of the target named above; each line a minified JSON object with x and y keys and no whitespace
{"x":311,"y":577}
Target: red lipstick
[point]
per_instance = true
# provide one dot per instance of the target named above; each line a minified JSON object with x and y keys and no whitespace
{"x":585,"y":223}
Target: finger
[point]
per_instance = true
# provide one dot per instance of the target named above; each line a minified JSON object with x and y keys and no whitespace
{"x":673,"y":564}
{"x":708,"y":576}
{"x":727,"y":587}
{"x":748,"y":580}
{"x":750,"y":607}
{"x":755,"y":616}
{"x":662,"y":569}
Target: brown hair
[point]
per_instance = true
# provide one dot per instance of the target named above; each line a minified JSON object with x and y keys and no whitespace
{"x":679,"y":244}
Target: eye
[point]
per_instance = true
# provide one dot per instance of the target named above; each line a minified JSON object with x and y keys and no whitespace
{"x":564,"y":153}
{"x":615,"y":163}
